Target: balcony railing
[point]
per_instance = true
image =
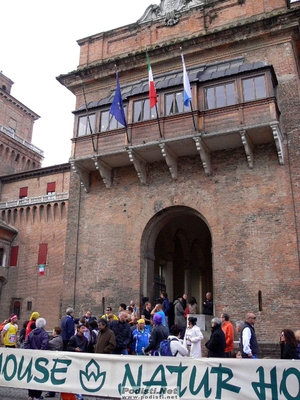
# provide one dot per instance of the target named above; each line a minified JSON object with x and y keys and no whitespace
{"x":35,"y":200}
{"x":241,"y":125}
{"x":21,"y":140}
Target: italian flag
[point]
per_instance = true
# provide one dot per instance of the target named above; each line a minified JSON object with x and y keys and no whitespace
{"x":152,"y":90}
{"x":42,"y":269}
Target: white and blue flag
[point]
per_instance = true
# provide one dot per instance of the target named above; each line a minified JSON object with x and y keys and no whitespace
{"x":186,"y":85}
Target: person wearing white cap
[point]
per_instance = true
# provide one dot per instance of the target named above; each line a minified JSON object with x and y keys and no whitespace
{"x":10,"y":332}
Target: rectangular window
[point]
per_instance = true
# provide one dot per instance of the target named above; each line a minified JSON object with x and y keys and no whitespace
{"x":42,"y":257}
{"x":254,"y":88}
{"x":142,"y":110}
{"x":86,"y":125}
{"x":12,"y":125}
{"x":51,"y":188}
{"x":14,"y":251}
{"x":16,"y":307}
{"x":108,"y":121}
{"x":174,"y":103}
{"x":2,"y":257}
{"x":29,"y":305}
{"x":220,"y":96}
{"x":23,"y":192}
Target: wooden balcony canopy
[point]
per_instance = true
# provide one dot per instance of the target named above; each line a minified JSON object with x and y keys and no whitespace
{"x":243,"y":124}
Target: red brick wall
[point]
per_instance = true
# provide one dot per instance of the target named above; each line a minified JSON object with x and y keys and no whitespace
{"x":16,"y":126}
{"x":215,"y":15}
{"x":96,"y":250}
{"x":37,"y":185}
{"x":43,"y":222}
{"x":250,"y":215}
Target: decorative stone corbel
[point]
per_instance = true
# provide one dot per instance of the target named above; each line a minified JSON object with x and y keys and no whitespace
{"x":171,"y":159}
{"x":278,"y":141}
{"x":204,"y":155}
{"x":139,"y":165}
{"x":83,"y":174}
{"x":105,"y":172}
{"x":248,"y":146}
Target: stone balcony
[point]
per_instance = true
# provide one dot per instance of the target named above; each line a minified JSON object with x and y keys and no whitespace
{"x":24,"y":142}
{"x":29,"y":201}
{"x":199,"y":132}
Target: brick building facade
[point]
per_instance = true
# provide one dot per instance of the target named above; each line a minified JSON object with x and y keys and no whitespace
{"x":17,"y":153}
{"x":33,"y":207}
{"x":201,"y":198}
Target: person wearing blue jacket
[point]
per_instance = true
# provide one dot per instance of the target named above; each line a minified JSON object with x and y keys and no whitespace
{"x":140,"y":338}
{"x":38,"y":339}
{"x":68,"y":326}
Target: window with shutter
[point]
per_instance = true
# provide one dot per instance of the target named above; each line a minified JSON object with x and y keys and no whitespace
{"x":23,"y":192}
{"x":14,"y":251}
{"x":42,"y":257}
{"x":51,"y":187}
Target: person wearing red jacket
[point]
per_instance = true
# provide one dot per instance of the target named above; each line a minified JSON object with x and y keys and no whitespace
{"x":31,"y":324}
{"x":228,"y":330}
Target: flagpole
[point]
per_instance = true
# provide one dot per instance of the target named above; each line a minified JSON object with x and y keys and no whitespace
{"x":116,"y":108}
{"x":128,"y":141}
{"x":195,"y":127}
{"x":187,"y":89}
{"x":152,"y":92}
{"x":158,"y":121}
{"x":87,"y":115}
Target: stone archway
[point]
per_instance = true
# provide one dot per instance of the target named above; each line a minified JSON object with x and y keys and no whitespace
{"x":176,"y":254}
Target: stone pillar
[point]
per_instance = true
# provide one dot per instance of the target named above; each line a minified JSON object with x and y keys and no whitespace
{"x":148,"y":282}
{"x":169,"y":279}
{"x":187,"y":281}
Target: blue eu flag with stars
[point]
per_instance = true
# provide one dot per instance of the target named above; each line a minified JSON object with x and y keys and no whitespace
{"x":117,"y":109}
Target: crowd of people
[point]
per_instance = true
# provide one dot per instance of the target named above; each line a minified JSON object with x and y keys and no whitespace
{"x":140,"y":333}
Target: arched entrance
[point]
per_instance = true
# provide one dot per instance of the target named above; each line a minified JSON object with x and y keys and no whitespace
{"x":176,"y":253}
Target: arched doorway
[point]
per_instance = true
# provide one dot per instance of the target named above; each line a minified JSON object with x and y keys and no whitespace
{"x":176,"y":253}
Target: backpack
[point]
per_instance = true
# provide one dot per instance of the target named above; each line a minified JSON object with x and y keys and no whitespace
{"x":165,"y":348}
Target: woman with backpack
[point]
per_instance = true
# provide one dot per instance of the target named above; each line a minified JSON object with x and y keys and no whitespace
{"x":176,"y":347}
{"x":192,"y":338}
{"x":158,"y":334}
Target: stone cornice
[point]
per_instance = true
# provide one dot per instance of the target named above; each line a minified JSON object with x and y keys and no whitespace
{"x":35,"y":173}
{"x":253,"y":27}
{"x":8,"y":228}
{"x":18,"y":104}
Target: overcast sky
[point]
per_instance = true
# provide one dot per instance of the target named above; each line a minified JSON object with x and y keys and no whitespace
{"x":38,"y":42}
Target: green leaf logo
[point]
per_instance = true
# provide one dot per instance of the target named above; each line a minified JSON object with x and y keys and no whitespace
{"x":91,"y":377}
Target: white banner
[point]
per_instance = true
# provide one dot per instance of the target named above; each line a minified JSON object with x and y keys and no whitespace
{"x":150,"y":378}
